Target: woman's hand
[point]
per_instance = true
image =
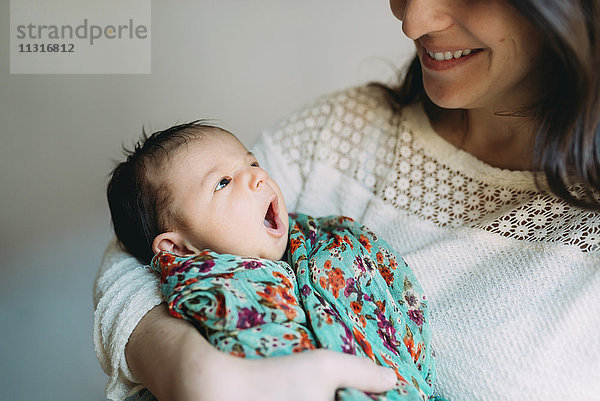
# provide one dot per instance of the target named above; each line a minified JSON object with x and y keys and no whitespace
{"x":176,"y":363}
{"x":311,"y":375}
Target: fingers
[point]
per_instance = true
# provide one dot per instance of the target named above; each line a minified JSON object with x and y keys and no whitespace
{"x":311,"y":375}
{"x":345,"y":370}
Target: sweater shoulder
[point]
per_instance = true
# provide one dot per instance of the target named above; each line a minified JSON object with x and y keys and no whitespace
{"x":353,"y":131}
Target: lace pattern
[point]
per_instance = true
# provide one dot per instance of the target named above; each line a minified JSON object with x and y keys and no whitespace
{"x":402,"y":161}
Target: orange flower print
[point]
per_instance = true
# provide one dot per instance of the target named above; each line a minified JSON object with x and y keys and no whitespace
{"x":348,"y":241}
{"x":418,"y":353}
{"x":221,"y":310}
{"x":285,"y":305}
{"x":356,"y":307}
{"x":363,"y":343}
{"x":279,"y":298}
{"x":415,"y":352}
{"x":284,"y":279}
{"x":166,"y":259}
{"x":173,"y":311}
{"x":380,"y":305}
{"x":304,"y":344}
{"x":387,"y":274}
{"x":379,"y":257}
{"x":392,"y":365}
{"x":342,"y":219}
{"x":408,"y":341}
{"x":336,"y":281}
{"x":190,"y":281}
{"x":268,"y":294}
{"x":295,"y":244}
{"x":365,"y":242}
{"x":333,"y":279}
{"x":337,"y":241}
{"x":287,"y":297}
{"x":168,"y":263}
{"x":324,"y":282}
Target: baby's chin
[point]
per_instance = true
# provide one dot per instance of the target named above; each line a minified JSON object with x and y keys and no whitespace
{"x":281,"y":255}
{"x":279,"y":251}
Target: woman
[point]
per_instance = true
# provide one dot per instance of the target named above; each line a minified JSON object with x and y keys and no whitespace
{"x":482,"y":169}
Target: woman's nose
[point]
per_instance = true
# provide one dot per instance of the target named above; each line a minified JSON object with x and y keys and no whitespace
{"x":423,"y":17}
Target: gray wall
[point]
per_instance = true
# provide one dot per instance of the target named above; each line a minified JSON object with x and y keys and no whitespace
{"x":245,"y":63}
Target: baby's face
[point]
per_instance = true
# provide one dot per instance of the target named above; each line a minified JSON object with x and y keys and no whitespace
{"x":230,"y":204}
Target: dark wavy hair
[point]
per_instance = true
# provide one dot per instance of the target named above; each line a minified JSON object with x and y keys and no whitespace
{"x":139,"y":200}
{"x":567,"y":141}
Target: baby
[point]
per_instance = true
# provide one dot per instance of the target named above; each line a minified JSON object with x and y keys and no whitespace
{"x":194,"y":203}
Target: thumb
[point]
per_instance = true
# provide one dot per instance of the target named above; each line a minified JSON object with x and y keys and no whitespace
{"x":360,"y":373}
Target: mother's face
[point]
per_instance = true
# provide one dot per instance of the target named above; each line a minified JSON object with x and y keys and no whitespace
{"x":473,"y":53}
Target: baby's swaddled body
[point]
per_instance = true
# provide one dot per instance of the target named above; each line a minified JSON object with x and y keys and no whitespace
{"x":341,"y":288}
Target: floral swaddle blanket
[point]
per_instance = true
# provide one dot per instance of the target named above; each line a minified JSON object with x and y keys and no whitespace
{"x":344,"y":289}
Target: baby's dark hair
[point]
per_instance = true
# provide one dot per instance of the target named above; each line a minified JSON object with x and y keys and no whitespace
{"x":138,"y":197}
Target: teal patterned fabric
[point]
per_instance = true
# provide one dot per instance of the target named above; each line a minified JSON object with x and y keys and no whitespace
{"x":344,"y":289}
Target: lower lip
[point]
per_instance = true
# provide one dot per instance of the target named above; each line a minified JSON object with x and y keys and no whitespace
{"x":443,"y":65}
{"x":280,"y":230}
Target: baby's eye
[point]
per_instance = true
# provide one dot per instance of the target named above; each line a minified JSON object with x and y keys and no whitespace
{"x":222,"y":184}
{"x":255,"y":164}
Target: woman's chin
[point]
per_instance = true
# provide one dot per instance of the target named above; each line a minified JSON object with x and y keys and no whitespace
{"x":445,"y":101}
{"x":448,"y":96}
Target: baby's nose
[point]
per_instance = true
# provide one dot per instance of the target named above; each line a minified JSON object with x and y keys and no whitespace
{"x":258,"y":177}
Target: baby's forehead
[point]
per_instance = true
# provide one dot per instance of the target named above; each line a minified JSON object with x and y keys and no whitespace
{"x":212,"y":148}
{"x":220,"y":141}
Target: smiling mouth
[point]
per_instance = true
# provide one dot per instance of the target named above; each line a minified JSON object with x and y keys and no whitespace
{"x":450,"y":55}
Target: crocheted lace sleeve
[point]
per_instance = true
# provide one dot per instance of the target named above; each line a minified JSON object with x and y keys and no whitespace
{"x":442,"y":184}
{"x":339,"y":133}
{"x":287,"y":151}
{"x":349,"y":148}
{"x":124,"y":291}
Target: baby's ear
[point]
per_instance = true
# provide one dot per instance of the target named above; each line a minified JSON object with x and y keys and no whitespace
{"x":173,"y":242}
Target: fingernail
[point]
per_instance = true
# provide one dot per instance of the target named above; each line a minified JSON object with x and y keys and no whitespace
{"x":389,"y":375}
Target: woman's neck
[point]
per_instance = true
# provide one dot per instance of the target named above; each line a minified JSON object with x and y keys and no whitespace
{"x":500,"y":141}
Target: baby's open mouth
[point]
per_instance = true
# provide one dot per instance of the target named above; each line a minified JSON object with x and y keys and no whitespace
{"x":272,"y":221}
{"x":270,"y":217}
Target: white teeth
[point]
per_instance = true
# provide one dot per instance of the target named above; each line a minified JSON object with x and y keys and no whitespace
{"x":448,"y":55}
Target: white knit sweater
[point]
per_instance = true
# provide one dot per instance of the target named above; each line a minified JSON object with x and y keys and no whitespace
{"x":512,"y":274}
